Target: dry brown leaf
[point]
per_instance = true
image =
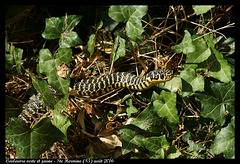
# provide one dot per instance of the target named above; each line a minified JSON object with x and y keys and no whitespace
{"x":62,"y":70}
{"x":111,"y":141}
{"x":113,"y":125}
{"x":106,"y":132}
{"x":81,"y":119}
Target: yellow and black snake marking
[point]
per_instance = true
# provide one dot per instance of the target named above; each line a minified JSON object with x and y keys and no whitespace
{"x":100,"y":86}
{"x":33,"y":111}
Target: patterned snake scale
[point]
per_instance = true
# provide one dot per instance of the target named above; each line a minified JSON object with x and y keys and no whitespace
{"x":100,"y":86}
{"x":34,"y":109}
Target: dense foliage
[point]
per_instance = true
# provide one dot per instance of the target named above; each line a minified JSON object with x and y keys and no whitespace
{"x":191,"y":116}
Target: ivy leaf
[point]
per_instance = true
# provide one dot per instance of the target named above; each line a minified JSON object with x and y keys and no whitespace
{"x":220,"y":69}
{"x":132,"y":15}
{"x":60,"y":121}
{"x":130,"y":140}
{"x":134,"y":28}
{"x":173,"y":85}
{"x":48,"y":65}
{"x":165,"y":106}
{"x":30,"y":143}
{"x":119,"y":48}
{"x":131,"y":109}
{"x":201,"y":53}
{"x":70,"y":39}
{"x":13,"y":60}
{"x":91,"y":43}
{"x":226,"y":46}
{"x":217,"y":99}
{"x":191,"y":82}
{"x":54,"y":28}
{"x":175,"y":153}
{"x":61,"y":27}
{"x":194,"y":147}
{"x":54,"y":101}
{"x":156,"y":146}
{"x":201,"y":9}
{"x":148,"y":120}
{"x":92,"y":39}
{"x":46,"y":95}
{"x":186,"y":46}
{"x":224,"y":142}
{"x":151,"y":123}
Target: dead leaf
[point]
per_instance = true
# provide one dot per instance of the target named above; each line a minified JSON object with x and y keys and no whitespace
{"x":106,"y":132}
{"x":89,"y":109}
{"x":62,"y":70}
{"x":111,"y":141}
{"x":113,"y":125}
{"x":81,"y":119}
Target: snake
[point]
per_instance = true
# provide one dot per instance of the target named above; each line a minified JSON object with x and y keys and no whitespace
{"x":105,"y":84}
{"x":35,"y":109}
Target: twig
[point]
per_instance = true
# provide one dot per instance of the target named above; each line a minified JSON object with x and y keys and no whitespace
{"x":212,"y":31}
{"x":184,"y":151}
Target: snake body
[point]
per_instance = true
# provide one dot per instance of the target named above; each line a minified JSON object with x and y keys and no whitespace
{"x":34,"y":109}
{"x":100,"y":86}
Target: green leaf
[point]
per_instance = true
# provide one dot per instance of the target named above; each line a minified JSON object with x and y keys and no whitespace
{"x":7,"y":46}
{"x":131,"y":109}
{"x":56,"y":26}
{"x":149,"y":121}
{"x":219,"y":98}
{"x":91,"y":43}
{"x":191,"y":82}
{"x":166,"y":106}
{"x":155,"y":96}
{"x":60,"y":121}
{"x":220,"y":69}
{"x":130,"y":140}
{"x":132,"y":15}
{"x":194,"y":147}
{"x":186,"y":46}
{"x":156,"y":146}
{"x":100,"y":24}
{"x":174,"y":153}
{"x":46,"y":95}
{"x":48,"y":65}
{"x":119,"y":48}
{"x":134,"y":28}
{"x":201,"y":53}
{"x":92,"y":39}
{"x":70,"y":39}
{"x":226,"y":46}
{"x":9,"y":63}
{"x":224,"y":142}
{"x":13,"y":61}
{"x":201,"y":9}
{"x":187,"y":136}
{"x":17,"y":132}
{"x":173,"y":85}
{"x":9,"y":113}
{"x":61,"y":27}
{"x":30,"y":143}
